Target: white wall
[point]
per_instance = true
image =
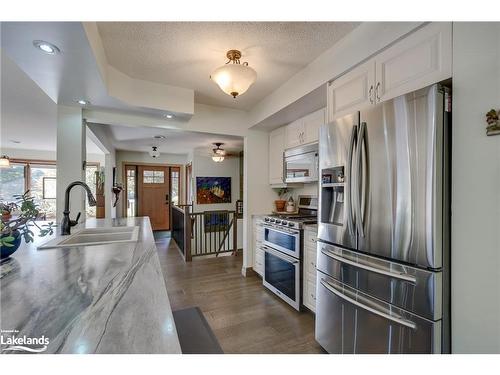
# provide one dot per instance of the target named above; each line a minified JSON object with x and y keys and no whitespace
{"x":258,"y":197}
{"x":123,"y":157}
{"x":204,"y":166}
{"x":476,"y":190}
{"x":103,"y":140}
{"x":71,"y":152}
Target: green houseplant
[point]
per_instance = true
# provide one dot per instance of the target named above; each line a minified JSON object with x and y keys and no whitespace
{"x":15,"y":228}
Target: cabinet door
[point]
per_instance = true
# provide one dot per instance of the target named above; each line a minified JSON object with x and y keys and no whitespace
{"x":421,"y":59}
{"x":352,"y":91}
{"x":312,"y":123}
{"x":276,"y":148}
{"x":309,"y":296}
{"x":294,"y":134}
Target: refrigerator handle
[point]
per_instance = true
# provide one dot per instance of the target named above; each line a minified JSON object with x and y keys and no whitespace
{"x":373,"y":309}
{"x":352,"y":142}
{"x":359,"y":182}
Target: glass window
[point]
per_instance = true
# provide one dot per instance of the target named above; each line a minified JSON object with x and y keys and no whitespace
{"x":153,"y":177}
{"x":174,"y":182}
{"x":42,"y":188}
{"x":91,"y":181}
{"x":12,"y":181}
{"x":131,"y":204}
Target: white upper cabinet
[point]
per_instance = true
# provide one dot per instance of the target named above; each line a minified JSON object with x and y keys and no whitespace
{"x":417,"y":61}
{"x":276,"y":148}
{"x":295,"y":134}
{"x":304,"y":130}
{"x":352,"y":91}
{"x":312,"y":123}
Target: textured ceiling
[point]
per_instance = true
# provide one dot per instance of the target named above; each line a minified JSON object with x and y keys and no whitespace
{"x":175,"y":141}
{"x":184,"y":54}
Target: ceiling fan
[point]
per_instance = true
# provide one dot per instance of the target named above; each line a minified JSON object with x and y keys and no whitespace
{"x":219,"y":154}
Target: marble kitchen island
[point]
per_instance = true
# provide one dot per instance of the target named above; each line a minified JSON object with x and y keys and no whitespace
{"x":90,"y":299}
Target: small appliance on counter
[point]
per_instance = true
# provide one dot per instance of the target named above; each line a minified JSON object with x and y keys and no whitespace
{"x":283,"y":250}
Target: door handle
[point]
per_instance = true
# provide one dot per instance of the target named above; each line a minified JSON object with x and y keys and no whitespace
{"x":357,"y":200}
{"x":392,"y":317}
{"x":369,"y":267}
{"x":166,"y":199}
{"x":376,"y":91}
{"x":370,"y":95}
{"x":350,"y":220}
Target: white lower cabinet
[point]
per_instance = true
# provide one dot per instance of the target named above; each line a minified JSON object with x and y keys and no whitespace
{"x":258,"y":237}
{"x":309,"y":268}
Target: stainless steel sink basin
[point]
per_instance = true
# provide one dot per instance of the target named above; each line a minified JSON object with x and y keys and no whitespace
{"x":93,"y":237}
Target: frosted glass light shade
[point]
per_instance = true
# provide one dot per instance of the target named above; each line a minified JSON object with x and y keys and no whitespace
{"x":4,"y":161}
{"x":234,"y":79}
{"x":218,"y":158}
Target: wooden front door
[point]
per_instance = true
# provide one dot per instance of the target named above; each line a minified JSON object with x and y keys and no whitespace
{"x":154,"y":195}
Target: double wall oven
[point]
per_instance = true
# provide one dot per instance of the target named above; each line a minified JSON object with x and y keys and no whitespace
{"x":282,"y":245}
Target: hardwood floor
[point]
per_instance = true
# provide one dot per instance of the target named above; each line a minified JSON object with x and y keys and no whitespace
{"x":244,"y":316}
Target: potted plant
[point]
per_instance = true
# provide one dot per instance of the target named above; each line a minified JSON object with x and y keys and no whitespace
{"x":281,"y":202}
{"x":14,"y":229}
{"x":6,"y":208}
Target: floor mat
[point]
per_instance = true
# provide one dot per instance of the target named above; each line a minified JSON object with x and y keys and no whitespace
{"x":195,"y":334}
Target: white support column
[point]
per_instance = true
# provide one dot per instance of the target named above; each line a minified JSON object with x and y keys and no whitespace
{"x":71,"y":154}
{"x":258,"y":196}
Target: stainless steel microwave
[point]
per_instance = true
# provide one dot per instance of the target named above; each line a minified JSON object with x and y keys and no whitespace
{"x":300,"y":164}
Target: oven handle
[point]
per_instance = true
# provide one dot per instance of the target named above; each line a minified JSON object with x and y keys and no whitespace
{"x":395,"y":318}
{"x":368,"y":267}
{"x":279,"y":254}
{"x":281,"y":230}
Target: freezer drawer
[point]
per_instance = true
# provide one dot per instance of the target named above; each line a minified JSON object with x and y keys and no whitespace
{"x":349,"y":321}
{"x":413,"y":289}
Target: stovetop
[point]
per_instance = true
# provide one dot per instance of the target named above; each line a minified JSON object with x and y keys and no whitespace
{"x":291,"y":220}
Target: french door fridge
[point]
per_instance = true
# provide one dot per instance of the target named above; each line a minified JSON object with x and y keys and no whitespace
{"x":383,"y":228}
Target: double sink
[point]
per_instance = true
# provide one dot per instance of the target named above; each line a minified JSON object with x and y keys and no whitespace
{"x":94,"y":237}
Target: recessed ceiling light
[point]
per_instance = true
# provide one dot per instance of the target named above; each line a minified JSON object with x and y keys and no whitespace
{"x":83,"y":102}
{"x":15,"y":141}
{"x":168,"y":115}
{"x":46,"y":47}
{"x":159,"y":137}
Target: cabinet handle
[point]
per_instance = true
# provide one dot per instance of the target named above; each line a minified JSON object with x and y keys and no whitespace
{"x":370,"y":94}
{"x":376,"y":91}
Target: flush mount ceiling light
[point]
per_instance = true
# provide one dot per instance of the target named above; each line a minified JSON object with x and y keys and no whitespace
{"x":83,"y":102}
{"x":234,"y":78}
{"x":4,"y":161}
{"x":219,"y":153}
{"x":46,"y":47}
{"x":168,"y":115}
{"x":154,"y":153}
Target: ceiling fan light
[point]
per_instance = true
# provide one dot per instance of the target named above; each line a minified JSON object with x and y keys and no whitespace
{"x":218,"y":158}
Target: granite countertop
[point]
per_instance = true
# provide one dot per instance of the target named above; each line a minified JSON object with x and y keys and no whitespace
{"x":90,"y":299}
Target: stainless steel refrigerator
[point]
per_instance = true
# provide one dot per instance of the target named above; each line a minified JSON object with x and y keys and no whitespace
{"x":383,"y":228}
